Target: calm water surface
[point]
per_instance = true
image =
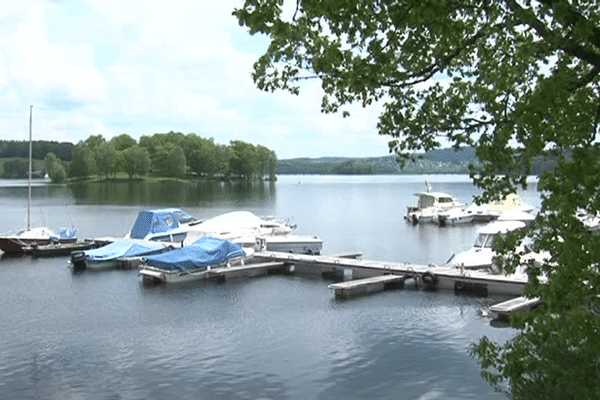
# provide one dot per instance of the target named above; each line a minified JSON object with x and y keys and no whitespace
{"x":104,"y":335}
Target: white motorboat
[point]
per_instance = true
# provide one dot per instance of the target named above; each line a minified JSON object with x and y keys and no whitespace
{"x":244,"y":227}
{"x":481,"y":255}
{"x":194,"y":261}
{"x":516,"y":215}
{"x":491,"y":211}
{"x":454,"y":216}
{"x":430,"y":205}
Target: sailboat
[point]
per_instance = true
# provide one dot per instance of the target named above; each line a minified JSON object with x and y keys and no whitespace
{"x":23,"y":240}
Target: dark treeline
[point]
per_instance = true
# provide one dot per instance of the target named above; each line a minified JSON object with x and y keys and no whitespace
{"x":39,"y":149}
{"x":171,"y":154}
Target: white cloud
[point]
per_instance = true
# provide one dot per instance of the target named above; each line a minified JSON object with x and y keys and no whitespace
{"x":113,"y":66}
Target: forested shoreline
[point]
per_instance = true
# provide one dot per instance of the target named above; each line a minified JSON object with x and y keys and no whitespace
{"x":175,"y":155}
{"x":168,"y":155}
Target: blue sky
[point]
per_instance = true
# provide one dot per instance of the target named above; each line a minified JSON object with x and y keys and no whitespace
{"x":108,"y":67}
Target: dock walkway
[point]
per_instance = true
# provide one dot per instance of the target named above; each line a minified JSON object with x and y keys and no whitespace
{"x":427,"y":276}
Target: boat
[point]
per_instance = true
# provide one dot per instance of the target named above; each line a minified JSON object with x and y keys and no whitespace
{"x":481,"y":255}
{"x":243,"y":227}
{"x":430,"y":205}
{"x":194,"y":261}
{"x":60,"y":249}
{"x":162,"y":225}
{"x":19,"y":242}
{"x":116,"y":254}
{"x":590,"y":221}
{"x":516,"y":215}
{"x":491,"y":211}
{"x":454,"y":216}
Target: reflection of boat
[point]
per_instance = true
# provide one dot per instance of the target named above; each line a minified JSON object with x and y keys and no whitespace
{"x":21,"y":241}
{"x":194,"y":261}
{"x":113,"y":254}
{"x":481,"y":254}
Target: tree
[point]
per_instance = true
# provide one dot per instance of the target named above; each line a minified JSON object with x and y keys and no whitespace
{"x":107,"y":159}
{"x":83,"y":164}
{"x":516,"y":79}
{"x":55,"y":168}
{"x":136,"y":161}
{"x":244,"y":160}
{"x":201,"y":154}
{"x":16,"y":168}
{"x":170,"y":160}
{"x":122,"y":142}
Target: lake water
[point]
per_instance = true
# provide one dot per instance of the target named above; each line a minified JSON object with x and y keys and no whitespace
{"x":104,"y":335}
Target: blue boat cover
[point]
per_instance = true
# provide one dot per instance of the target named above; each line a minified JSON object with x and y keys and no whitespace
{"x":124,"y":249}
{"x":158,"y":221}
{"x":204,"y":252}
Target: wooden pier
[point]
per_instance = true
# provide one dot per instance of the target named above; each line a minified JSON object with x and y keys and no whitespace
{"x":427,"y":276}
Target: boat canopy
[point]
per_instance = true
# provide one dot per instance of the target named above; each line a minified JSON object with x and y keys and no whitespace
{"x":430,"y":199}
{"x":501,"y":227}
{"x":241,"y":222}
{"x":158,"y":221}
{"x":204,"y":252}
{"x":123,"y":249}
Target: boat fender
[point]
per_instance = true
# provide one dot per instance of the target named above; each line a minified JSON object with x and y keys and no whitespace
{"x":415,"y":219}
{"x":429,"y":279}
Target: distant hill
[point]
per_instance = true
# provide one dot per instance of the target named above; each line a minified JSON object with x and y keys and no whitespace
{"x":437,"y":161}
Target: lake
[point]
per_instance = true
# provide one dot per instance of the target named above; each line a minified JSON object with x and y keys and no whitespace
{"x":104,"y":335}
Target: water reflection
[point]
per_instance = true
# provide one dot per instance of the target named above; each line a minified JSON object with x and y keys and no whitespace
{"x":180,"y":193}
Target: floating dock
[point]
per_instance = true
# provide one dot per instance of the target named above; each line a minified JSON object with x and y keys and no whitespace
{"x":368,"y":285}
{"x":427,"y":276}
{"x":518,"y":304}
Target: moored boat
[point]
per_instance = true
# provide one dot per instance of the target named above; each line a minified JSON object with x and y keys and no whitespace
{"x":162,"y":225}
{"x":114,"y":254}
{"x":60,"y":249}
{"x":194,"y":261}
{"x":481,"y":255}
{"x":430,"y":205}
{"x":19,"y":242}
{"x":23,"y":240}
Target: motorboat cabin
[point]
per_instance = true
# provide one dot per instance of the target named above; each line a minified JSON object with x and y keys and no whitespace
{"x":429,"y":205}
{"x":162,"y":225}
{"x":481,"y":255}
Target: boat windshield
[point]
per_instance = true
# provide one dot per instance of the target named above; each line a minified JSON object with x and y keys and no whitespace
{"x":484,"y":240}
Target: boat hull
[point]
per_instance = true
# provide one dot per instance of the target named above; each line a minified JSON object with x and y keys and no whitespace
{"x":15,"y":245}
{"x":157,"y":275}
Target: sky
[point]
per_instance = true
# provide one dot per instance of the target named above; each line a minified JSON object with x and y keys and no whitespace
{"x":107,"y":67}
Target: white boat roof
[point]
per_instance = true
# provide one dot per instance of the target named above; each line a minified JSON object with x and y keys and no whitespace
{"x":236,"y":220}
{"x":516,"y":215}
{"x":501,"y":227}
{"x":437,"y":195}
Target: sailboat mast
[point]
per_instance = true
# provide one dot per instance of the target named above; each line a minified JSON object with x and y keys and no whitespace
{"x":30,"y":155}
